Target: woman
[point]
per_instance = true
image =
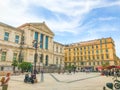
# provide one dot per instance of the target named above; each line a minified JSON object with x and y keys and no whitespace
{"x":5,"y":83}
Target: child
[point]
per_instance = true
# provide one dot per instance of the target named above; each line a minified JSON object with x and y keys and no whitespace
{"x":2,"y":80}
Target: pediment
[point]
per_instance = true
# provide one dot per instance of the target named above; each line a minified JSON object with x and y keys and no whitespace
{"x":43,"y":27}
{"x":39,"y":26}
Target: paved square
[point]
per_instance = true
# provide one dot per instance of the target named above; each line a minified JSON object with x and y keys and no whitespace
{"x":77,"y":81}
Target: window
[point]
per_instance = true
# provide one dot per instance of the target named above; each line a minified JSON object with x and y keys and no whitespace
{"x":88,"y":47}
{"x":81,"y":48}
{"x":106,"y":50}
{"x":46,"y":43}
{"x":36,"y":36}
{"x":46,"y":62}
{"x":57,"y":61}
{"x":100,"y":41}
{"x":97,"y":57}
{"x":16,"y":39}
{"x":88,"y":52}
{"x":107,"y":56}
{"x":81,"y":53}
{"x":102,"y":56}
{"x":98,"y":63}
{"x":105,"y":41}
{"x":6,"y":36}
{"x":60,"y":50}
{"x":97,"y":52}
{"x":3,"y":57}
{"x":41,"y":40}
{"x":96,"y":46}
{"x":89,"y":57}
{"x":57,"y":49}
{"x":93,"y":57}
{"x":84,"y":47}
{"x":15,"y":56}
{"x":89,"y":63}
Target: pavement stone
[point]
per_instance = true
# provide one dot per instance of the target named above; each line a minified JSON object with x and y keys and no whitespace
{"x":85,"y":82}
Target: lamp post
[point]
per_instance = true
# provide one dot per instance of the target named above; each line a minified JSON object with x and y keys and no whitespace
{"x":35,"y":45}
{"x":0,"y":50}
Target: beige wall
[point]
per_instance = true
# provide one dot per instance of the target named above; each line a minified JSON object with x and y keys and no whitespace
{"x":58,"y":54}
{"x":29,"y":31}
{"x":10,"y":47}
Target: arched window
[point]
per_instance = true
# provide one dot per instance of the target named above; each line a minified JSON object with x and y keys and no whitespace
{"x":46,"y":62}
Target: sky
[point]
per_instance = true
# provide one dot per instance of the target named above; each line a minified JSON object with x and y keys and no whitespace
{"x":71,"y":20}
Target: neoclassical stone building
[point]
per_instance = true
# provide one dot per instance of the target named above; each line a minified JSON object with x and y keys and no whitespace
{"x":10,"y":38}
{"x":58,"y":56}
{"x":19,"y":44}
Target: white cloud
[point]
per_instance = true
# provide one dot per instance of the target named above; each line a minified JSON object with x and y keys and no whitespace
{"x":15,"y":13}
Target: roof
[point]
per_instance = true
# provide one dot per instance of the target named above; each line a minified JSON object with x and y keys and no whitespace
{"x":38,"y":26}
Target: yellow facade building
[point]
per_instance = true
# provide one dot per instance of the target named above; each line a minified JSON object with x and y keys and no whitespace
{"x":91,"y":54}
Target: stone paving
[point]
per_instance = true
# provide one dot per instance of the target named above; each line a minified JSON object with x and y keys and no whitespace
{"x":55,"y":81}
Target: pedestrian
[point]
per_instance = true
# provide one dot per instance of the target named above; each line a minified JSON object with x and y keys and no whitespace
{"x":5,"y":82}
{"x":2,"y":80}
{"x":42,"y":76}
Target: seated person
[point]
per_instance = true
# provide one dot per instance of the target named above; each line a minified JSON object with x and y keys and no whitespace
{"x":33,"y":76}
{"x":26,"y":76}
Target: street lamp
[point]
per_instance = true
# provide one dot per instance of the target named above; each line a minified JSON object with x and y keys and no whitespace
{"x":0,"y":50}
{"x":35,"y":45}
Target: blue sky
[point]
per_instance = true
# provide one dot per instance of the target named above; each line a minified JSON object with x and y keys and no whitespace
{"x":71,"y":20}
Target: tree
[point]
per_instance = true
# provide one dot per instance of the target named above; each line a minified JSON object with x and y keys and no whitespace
{"x":105,"y":65}
{"x":25,"y":66}
{"x":14,"y":64}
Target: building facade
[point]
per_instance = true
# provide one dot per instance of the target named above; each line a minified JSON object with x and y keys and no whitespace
{"x":44,"y":37}
{"x":10,"y":39}
{"x":18,"y":44}
{"x":58,"y":57}
{"x":91,"y":54}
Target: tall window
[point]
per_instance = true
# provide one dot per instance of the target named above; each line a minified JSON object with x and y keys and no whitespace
{"x":46,"y":62}
{"x":16,"y":39}
{"x":56,"y":60}
{"x":6,"y":36}
{"x":107,"y":56}
{"x":15,"y":56}
{"x":57,"y":49}
{"x":41,"y":40}
{"x":61,"y":50}
{"x":46,"y":43}
{"x":3,"y":57}
{"x":36,"y":36}
{"x":106,"y":50}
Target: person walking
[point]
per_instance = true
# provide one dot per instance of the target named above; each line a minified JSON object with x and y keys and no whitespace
{"x":42,"y":76}
{"x":5,"y":83}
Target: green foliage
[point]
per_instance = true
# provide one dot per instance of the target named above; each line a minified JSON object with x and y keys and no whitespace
{"x":25,"y":66}
{"x":14,"y":64}
{"x":105,"y":64}
{"x":70,"y":67}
